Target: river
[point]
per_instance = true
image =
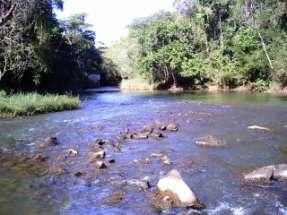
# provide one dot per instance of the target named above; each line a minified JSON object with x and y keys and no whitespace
{"x":214,"y":174}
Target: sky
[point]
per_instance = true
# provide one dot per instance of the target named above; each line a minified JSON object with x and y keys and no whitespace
{"x":110,"y":17}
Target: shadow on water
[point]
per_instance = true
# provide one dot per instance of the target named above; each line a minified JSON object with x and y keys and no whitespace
{"x":56,"y":187}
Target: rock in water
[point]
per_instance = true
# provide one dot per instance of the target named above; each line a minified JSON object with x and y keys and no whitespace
{"x":142,"y":184}
{"x":260,"y":175}
{"x":39,"y":158}
{"x":209,"y":141}
{"x":102,"y":142}
{"x":280,"y":172}
{"x":140,"y":135}
{"x":72,"y":152}
{"x":114,"y":198}
{"x":94,"y":156}
{"x":165,"y":160}
{"x":172,"y":185}
{"x":256,"y":127}
{"x":52,"y":141}
{"x":172,"y":127}
{"x":101,"y":165}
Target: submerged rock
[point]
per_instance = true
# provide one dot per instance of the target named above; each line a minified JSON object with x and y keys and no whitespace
{"x":140,"y":135}
{"x":156,"y":134}
{"x":173,"y":186}
{"x":256,"y":127}
{"x":48,"y":142}
{"x":114,"y":198}
{"x":61,"y":158}
{"x":51,"y":141}
{"x":142,"y":184}
{"x":101,"y":165}
{"x":165,"y":160}
{"x":209,"y":141}
{"x":148,"y":129}
{"x":267,"y":173}
{"x":78,"y":174}
{"x":72,"y":152}
{"x":39,"y":158}
{"x":156,"y":155}
{"x":142,"y":161}
{"x":94,"y":156}
{"x":102,"y":142}
{"x":112,"y":161}
{"x":170,"y":127}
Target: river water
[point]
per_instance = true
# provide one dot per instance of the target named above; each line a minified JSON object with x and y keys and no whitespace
{"x":214,"y":174}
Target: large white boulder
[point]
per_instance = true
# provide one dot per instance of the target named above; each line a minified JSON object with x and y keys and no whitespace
{"x":267,"y":174}
{"x":172,"y":185}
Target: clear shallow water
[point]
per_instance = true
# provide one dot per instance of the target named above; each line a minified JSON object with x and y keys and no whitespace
{"x":213,"y":173}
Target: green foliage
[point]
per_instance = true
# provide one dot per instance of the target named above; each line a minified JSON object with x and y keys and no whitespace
{"x":245,"y":40}
{"x":32,"y":103}
{"x":196,"y":67}
{"x":223,"y":42}
{"x":36,"y":52}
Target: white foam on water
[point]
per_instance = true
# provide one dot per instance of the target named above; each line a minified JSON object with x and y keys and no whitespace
{"x":223,"y":206}
{"x":282,"y":210}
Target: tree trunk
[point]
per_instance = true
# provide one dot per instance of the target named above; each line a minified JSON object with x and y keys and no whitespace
{"x":4,"y":17}
{"x":221,"y":33}
{"x":265,"y":51}
{"x":174,"y":80}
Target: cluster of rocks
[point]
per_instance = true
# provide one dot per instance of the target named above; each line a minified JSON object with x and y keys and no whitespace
{"x":98,"y":154}
{"x":163,"y":158}
{"x":150,"y":131}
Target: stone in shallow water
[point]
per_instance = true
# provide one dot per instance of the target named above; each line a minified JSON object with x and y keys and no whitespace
{"x":39,"y":158}
{"x":260,"y":175}
{"x":257,"y":127}
{"x":142,"y":184}
{"x":280,"y":172}
{"x":101,"y":165}
{"x":99,"y":154}
{"x":140,"y":135}
{"x":209,"y":141}
{"x":172,"y":185}
{"x":267,"y":174}
{"x":165,"y":160}
{"x":72,"y":152}
{"x":156,"y":134}
{"x":51,"y":141}
{"x":114,"y":198}
{"x":102,"y":142}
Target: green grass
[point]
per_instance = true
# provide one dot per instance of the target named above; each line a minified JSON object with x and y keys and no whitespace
{"x":27,"y":104}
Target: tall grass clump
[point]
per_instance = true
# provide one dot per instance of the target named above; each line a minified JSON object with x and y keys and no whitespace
{"x":27,"y":104}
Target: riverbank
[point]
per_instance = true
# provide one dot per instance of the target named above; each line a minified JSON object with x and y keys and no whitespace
{"x":142,"y":85}
{"x":27,"y":104}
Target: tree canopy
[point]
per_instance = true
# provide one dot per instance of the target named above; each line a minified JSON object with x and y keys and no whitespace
{"x":224,"y":42}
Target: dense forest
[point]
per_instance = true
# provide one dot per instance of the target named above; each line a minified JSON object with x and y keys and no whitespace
{"x":226,"y":43}
{"x":40,"y":52}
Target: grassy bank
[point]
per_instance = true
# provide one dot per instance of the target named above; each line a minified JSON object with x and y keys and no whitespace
{"x":27,"y":104}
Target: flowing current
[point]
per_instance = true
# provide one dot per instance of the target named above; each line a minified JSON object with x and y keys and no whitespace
{"x":214,"y":174}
